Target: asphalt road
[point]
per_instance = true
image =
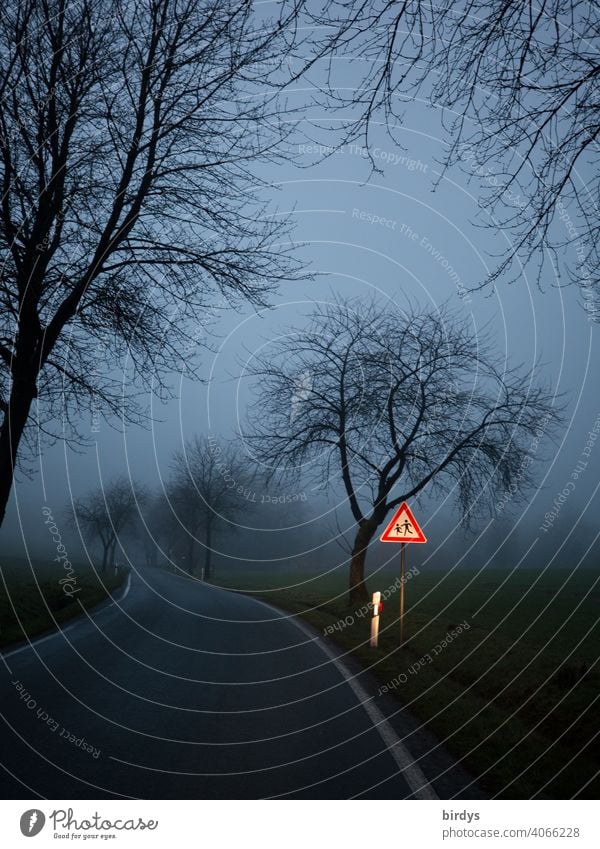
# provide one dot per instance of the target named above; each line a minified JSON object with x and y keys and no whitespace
{"x":186,"y":691}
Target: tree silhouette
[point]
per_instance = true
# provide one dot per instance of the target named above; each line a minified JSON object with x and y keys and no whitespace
{"x":519,"y":85}
{"x":127,"y":135}
{"x":400,"y":403}
{"x":106,"y":513}
{"x":206,"y":489}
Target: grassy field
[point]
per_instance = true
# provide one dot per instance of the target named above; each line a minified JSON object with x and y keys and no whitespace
{"x":514,"y":691}
{"x":34,"y":600}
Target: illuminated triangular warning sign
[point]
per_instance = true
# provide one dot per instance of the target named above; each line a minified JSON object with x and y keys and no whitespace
{"x":403,"y":527}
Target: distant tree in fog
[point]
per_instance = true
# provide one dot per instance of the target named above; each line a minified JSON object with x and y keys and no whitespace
{"x":158,"y":528}
{"x":206,"y":490}
{"x":128,"y":135}
{"x":106,"y":514}
{"x":400,"y":402}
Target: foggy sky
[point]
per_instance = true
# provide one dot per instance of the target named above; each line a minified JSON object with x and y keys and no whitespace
{"x":335,"y":201}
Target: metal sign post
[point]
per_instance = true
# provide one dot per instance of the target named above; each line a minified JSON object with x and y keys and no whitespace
{"x":403,"y":528}
{"x":402,"y":567}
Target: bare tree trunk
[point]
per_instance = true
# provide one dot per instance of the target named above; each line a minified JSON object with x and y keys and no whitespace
{"x":190,"y":565}
{"x":13,"y":425}
{"x":113,"y":547}
{"x":358,"y":592}
{"x":106,"y":549}
{"x":208,"y":552}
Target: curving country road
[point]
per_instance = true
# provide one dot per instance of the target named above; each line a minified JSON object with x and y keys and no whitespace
{"x":187,"y":691}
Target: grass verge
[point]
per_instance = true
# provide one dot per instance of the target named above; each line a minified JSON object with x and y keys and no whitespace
{"x":32,"y":599}
{"x":502,"y":667}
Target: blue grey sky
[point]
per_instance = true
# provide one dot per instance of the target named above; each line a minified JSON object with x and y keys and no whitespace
{"x":360,"y":233}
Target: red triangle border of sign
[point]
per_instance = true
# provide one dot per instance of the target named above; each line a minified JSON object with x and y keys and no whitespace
{"x":404,"y":508}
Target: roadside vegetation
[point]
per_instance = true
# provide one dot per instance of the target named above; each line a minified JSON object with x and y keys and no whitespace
{"x":33,"y":599}
{"x":513,"y":694}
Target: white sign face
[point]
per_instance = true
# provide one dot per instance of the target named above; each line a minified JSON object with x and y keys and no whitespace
{"x":403,"y":527}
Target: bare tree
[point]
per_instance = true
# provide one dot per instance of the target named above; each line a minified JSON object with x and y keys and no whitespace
{"x":127,"y":134}
{"x":105,"y":514}
{"x":207,"y":489}
{"x":519,"y":81}
{"x":400,"y":403}
{"x":157,"y":528}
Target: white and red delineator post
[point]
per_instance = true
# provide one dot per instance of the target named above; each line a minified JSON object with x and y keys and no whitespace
{"x":377,"y":608}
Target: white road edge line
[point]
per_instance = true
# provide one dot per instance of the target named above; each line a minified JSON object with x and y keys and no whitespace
{"x":71,"y":627}
{"x":415,"y":778}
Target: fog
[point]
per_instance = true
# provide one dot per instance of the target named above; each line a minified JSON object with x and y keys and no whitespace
{"x":360,"y":233}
